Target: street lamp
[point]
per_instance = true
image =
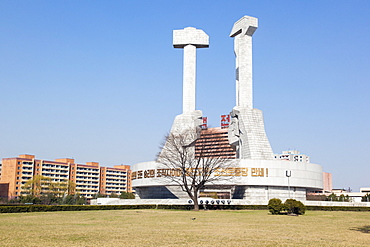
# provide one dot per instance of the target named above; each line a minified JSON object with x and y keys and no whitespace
{"x":288,"y":174}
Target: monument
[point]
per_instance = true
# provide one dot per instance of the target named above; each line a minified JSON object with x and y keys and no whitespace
{"x":189,"y":39}
{"x":247,"y":131}
{"x":257,"y":176}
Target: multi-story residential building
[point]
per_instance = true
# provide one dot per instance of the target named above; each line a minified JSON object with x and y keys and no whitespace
{"x":293,"y":155}
{"x":114,"y":180}
{"x":89,"y":178}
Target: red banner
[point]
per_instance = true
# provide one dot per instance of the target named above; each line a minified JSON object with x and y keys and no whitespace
{"x":204,"y":125}
{"x":225,"y":121}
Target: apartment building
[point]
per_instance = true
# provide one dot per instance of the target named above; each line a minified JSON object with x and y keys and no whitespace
{"x":89,"y":178}
{"x":114,"y":180}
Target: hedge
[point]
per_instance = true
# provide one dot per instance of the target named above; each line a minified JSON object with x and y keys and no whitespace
{"x":336,"y":208}
{"x":48,"y":208}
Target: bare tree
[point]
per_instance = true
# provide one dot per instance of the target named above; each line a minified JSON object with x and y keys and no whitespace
{"x":191,"y":165}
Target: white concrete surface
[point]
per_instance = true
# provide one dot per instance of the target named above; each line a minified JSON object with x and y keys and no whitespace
{"x":242,"y":32}
{"x":189,"y":39}
{"x":247,"y":130}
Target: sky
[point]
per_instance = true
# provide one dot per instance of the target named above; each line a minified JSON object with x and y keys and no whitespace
{"x":100,"y":80}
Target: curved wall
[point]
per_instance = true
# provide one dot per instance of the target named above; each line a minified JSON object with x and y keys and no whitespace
{"x":252,"y":173}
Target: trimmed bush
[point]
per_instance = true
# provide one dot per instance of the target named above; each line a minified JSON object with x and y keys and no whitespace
{"x":275,"y":206}
{"x":337,"y":208}
{"x":46,"y":208}
{"x":127,"y":195}
{"x":293,"y":206}
{"x":366,"y":198}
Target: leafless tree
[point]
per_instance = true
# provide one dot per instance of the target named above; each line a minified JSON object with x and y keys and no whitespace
{"x":189,"y":162}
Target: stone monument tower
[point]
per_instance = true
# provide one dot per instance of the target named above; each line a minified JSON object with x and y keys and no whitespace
{"x":189,"y":39}
{"x":246,"y":131}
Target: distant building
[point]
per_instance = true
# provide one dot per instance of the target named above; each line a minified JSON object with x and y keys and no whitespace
{"x":365,"y":190}
{"x":214,"y":143}
{"x":327,"y":182}
{"x":354,"y":196}
{"x":293,"y":155}
{"x":89,"y":178}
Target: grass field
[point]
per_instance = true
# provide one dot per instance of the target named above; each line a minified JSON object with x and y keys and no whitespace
{"x":179,"y":228}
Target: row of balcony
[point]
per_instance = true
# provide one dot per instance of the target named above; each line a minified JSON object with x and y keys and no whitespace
{"x":109,"y":182}
{"x":115,"y":172}
{"x":55,"y":166}
{"x":25,"y":168}
{"x":115,"y":180}
{"x":115,"y":176}
{"x":27,"y":163}
{"x":92,"y":191}
{"x":87,"y":169}
{"x":88,"y":182}
{"x":53,"y":171}
{"x":115,"y":188}
{"x":86,"y":178}
{"x":54,"y":175}
{"x":85,"y":186}
{"x":88,"y":174}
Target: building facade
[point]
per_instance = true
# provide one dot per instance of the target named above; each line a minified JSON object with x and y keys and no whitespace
{"x":89,"y":179}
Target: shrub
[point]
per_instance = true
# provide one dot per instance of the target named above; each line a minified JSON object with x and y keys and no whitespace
{"x":127,"y":195}
{"x":366,"y":198}
{"x":30,"y":199}
{"x":275,"y":206}
{"x":293,"y":206}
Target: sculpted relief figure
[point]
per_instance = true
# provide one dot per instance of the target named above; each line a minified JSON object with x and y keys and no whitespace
{"x":234,"y":130}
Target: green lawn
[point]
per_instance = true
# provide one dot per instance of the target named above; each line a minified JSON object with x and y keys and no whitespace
{"x":177,"y":228}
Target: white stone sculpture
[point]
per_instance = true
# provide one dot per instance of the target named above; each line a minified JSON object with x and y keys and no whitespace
{"x":189,"y":39}
{"x":251,"y":141}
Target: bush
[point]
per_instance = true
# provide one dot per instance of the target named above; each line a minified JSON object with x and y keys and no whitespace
{"x":366,"y":198}
{"x":337,"y":208}
{"x":275,"y":206}
{"x":127,"y":195}
{"x":334,"y":198}
{"x":312,"y":197}
{"x":293,"y":206}
{"x":29,"y":199}
{"x":75,"y":199}
{"x":47,"y":208}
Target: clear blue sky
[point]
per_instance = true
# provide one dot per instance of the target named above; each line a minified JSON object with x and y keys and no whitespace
{"x":100,"y":80}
